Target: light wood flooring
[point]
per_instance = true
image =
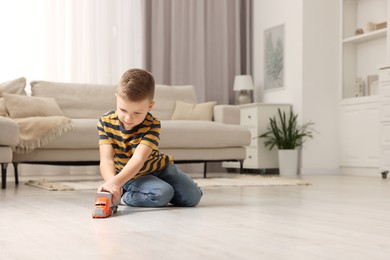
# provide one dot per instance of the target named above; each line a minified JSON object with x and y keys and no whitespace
{"x":337,"y":217}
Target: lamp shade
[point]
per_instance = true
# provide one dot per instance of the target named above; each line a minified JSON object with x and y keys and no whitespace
{"x":243,"y":82}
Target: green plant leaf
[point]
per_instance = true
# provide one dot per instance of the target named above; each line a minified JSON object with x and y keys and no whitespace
{"x":284,"y":132}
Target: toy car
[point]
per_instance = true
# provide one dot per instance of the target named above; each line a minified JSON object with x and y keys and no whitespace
{"x":103,"y":205}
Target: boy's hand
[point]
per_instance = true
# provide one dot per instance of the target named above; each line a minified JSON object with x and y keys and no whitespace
{"x":112,"y":188}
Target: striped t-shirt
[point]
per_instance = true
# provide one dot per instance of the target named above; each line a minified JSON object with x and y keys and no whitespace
{"x":124,"y":142}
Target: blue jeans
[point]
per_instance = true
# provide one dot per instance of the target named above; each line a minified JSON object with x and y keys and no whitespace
{"x":170,"y":185}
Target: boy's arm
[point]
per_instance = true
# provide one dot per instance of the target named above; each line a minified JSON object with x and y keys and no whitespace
{"x":107,"y":170}
{"x":107,"y":164}
{"x":114,"y":183}
{"x":134,"y":165}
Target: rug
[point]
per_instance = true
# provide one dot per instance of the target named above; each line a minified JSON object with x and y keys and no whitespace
{"x":239,"y":181}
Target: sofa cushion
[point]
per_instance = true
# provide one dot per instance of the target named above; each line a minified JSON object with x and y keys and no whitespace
{"x":83,"y":136}
{"x":202,"y":134}
{"x":19,"y":106}
{"x":16,"y":86}
{"x":205,"y":154}
{"x":165,"y":99}
{"x":174,"y":134}
{"x":189,"y":111}
{"x":58,"y":155}
{"x":78,"y":100}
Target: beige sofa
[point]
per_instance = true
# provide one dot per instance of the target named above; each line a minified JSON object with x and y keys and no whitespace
{"x":191,"y":132}
{"x":8,"y":138}
{"x":9,"y":130}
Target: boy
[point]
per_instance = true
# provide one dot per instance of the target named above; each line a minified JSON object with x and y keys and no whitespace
{"x":130,"y":161}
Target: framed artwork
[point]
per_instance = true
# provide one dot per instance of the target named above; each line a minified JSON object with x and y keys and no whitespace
{"x":274,"y":58}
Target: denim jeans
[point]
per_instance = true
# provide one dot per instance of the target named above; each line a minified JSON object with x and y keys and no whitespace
{"x":170,"y":185}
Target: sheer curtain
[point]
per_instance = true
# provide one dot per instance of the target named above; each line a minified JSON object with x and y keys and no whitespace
{"x":204,"y":43}
{"x":84,"y":41}
{"x":21,"y":47}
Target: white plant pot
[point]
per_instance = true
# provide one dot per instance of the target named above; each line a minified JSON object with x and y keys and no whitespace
{"x":288,"y":163}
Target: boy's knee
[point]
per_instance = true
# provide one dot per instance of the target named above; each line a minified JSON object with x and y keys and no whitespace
{"x":195,"y":198}
{"x":161,"y":196}
{"x":190,"y":199}
{"x":192,"y":202}
{"x":156,"y":197}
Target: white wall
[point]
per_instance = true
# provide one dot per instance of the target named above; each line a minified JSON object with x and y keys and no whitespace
{"x":267,"y":14}
{"x":311,"y":71}
{"x":321,"y":73}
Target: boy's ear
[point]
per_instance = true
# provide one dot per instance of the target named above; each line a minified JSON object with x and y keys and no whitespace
{"x":151,"y":105}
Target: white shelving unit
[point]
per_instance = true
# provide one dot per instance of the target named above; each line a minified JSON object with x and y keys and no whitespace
{"x":377,"y":34}
{"x":361,"y":56}
{"x":384,"y":93}
{"x":360,"y":128}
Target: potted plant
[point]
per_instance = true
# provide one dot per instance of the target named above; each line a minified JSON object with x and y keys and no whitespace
{"x":288,"y":136}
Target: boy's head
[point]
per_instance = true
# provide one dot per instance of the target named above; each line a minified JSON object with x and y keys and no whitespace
{"x":136,"y":85}
{"x":135,"y":93}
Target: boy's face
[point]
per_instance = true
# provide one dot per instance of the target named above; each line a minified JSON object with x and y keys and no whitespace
{"x":132,"y":113}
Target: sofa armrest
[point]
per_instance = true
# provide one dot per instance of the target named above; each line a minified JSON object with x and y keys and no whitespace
{"x":227,"y":114}
{"x":9,"y":135}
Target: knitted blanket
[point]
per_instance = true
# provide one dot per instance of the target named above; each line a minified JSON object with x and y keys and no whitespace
{"x":35,"y":132}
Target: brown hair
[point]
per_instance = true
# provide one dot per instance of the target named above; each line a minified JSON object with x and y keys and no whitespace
{"x":136,"y":85}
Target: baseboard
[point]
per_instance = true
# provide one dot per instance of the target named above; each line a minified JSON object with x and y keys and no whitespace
{"x":320,"y":171}
{"x":361,"y":171}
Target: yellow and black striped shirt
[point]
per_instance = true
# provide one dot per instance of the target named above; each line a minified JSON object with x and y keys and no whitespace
{"x":124,"y":142}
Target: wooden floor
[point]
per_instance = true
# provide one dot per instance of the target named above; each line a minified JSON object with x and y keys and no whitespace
{"x":337,"y":217}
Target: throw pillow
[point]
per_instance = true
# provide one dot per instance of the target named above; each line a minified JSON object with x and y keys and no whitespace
{"x":15,"y":86}
{"x":166,"y":97}
{"x":188,"y":111}
{"x":26,"y":106}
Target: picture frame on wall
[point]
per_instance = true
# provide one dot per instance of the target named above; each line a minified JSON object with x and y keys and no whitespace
{"x":274,"y":42}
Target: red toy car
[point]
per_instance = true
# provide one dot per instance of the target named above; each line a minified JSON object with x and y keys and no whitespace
{"x":103,"y":205}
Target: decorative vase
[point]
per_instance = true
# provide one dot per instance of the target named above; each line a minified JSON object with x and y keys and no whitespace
{"x":288,"y":163}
